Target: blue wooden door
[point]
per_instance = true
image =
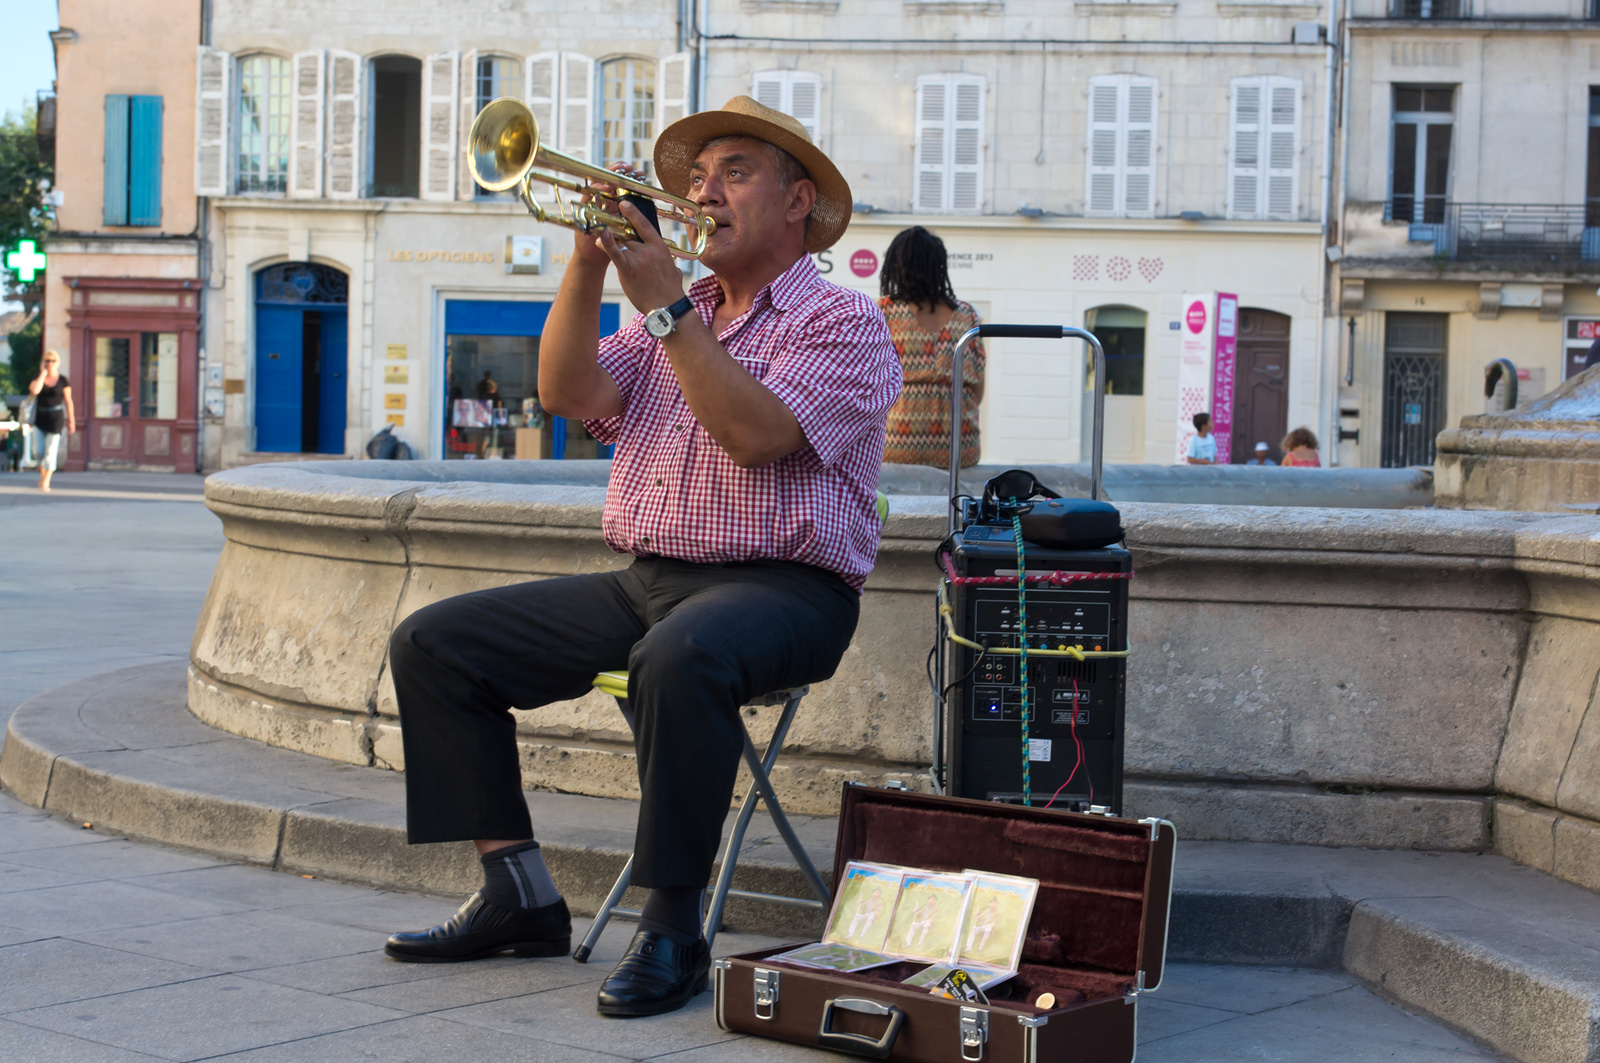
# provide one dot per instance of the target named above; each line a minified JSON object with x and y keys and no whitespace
{"x":278,"y":379}
{"x":333,"y":383}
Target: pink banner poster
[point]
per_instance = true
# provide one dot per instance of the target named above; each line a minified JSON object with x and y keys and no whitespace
{"x":1194,"y":366}
{"x":1223,"y":374}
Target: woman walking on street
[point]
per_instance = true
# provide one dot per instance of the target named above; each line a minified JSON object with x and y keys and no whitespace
{"x":925,"y":321}
{"x":52,"y":412}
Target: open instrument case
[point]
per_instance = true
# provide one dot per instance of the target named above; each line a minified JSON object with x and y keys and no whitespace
{"x":1097,"y":939}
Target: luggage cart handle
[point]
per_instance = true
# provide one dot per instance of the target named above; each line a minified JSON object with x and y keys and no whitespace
{"x":1032,"y":332}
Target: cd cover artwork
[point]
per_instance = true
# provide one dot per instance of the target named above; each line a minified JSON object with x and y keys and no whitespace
{"x":863,"y":906}
{"x":927,"y":917}
{"x":995,"y":920}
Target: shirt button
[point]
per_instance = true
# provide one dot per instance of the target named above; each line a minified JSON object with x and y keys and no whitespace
{"x":645,"y":541}
{"x":677,"y":428}
{"x":658,"y":483}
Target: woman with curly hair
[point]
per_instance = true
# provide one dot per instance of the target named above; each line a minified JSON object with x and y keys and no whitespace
{"x":925,"y":321}
{"x":1300,"y":449}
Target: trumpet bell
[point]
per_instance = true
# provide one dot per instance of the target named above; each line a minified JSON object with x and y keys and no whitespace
{"x":503,"y":143}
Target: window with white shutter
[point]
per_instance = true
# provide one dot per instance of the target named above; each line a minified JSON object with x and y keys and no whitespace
{"x":1120,"y":177}
{"x":1264,"y":148}
{"x":439,"y":92}
{"x":212,"y":69}
{"x":467,"y":101}
{"x":797,"y":93}
{"x":673,"y":75}
{"x":542,"y":93}
{"x":305,"y":132}
{"x":577,"y":105}
{"x":345,"y":71}
{"x":949,"y":150}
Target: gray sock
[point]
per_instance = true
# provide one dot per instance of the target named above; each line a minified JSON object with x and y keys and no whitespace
{"x":515,"y":877}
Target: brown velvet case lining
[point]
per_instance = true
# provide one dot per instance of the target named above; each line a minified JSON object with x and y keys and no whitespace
{"x":1083,"y":940}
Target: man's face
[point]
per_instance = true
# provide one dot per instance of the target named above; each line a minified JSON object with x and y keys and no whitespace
{"x":736,"y":182}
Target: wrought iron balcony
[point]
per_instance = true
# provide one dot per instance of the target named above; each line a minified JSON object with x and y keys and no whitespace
{"x":1467,"y":231}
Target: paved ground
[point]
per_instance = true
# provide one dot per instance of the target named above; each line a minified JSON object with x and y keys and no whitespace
{"x":117,"y":951}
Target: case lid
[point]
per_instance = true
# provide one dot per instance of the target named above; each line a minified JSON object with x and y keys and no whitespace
{"x":1105,"y":883}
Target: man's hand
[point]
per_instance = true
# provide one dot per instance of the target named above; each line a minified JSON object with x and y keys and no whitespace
{"x":649,"y":276}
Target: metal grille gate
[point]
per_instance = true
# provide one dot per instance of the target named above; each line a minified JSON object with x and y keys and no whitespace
{"x":1413,"y":388}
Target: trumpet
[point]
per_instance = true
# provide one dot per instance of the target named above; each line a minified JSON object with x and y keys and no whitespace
{"x":503,"y":152}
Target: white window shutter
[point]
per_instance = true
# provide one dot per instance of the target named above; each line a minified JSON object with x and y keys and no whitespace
{"x":672,"y":88}
{"x":577,"y":105}
{"x":213,"y":74}
{"x":1283,"y":147}
{"x":931,"y":192}
{"x":804,"y":102}
{"x":1106,"y":106}
{"x":345,"y":70}
{"x":767,"y":88}
{"x":1244,"y":149}
{"x":1139,"y":151}
{"x":305,"y":125}
{"x":465,"y":188}
{"x":543,"y":93}
{"x":966,"y":144}
{"x":439,"y":126}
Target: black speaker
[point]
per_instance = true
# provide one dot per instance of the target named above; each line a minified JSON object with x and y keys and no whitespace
{"x":1075,"y":708}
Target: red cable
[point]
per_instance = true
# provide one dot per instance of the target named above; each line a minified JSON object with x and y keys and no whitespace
{"x":1079,"y":743}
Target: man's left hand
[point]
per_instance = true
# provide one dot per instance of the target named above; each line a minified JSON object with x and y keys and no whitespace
{"x":649,"y":275}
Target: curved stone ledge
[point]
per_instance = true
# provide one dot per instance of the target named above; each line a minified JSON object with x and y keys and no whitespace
{"x":1299,"y":674}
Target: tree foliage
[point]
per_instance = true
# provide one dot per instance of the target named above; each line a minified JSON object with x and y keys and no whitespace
{"x":24,"y":177}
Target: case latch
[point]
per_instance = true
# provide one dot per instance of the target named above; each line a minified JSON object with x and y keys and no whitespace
{"x":766,"y":983}
{"x":974,"y":1032}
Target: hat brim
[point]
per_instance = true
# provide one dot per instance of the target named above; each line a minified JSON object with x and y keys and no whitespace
{"x":680,"y":143}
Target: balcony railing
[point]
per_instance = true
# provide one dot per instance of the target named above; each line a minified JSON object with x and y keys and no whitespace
{"x":1552,"y":233}
{"x":1430,"y":8}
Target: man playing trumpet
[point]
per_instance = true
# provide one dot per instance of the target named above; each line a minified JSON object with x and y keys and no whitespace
{"x":748,"y":418}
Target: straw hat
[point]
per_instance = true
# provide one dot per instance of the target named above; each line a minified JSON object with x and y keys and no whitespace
{"x":742,"y":116}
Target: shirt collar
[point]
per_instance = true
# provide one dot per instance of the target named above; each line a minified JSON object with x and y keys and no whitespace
{"x":784,"y":292}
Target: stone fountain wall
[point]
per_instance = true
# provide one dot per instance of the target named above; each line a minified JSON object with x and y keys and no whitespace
{"x":1401,"y":678}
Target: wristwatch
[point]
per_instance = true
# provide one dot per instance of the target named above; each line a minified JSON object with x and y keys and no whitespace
{"x":660,"y":322}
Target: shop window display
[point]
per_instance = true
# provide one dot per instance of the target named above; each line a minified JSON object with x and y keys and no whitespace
{"x":492,"y":409}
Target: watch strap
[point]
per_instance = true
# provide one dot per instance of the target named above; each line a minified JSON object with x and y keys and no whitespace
{"x":681,"y":307}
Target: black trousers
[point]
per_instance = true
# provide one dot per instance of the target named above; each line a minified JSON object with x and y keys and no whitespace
{"x":698,"y":640}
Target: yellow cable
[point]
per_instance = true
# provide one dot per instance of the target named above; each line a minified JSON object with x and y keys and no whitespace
{"x":1077,"y":653}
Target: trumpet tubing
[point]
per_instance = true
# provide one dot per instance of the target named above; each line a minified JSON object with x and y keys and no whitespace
{"x":504,"y":152}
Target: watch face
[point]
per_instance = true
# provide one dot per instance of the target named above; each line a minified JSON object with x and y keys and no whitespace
{"x":658,"y":323}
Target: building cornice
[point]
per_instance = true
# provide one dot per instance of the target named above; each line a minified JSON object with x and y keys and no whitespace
{"x":1502,"y":271}
{"x":1475,"y":27}
{"x":65,"y":243}
{"x":1122,"y":226}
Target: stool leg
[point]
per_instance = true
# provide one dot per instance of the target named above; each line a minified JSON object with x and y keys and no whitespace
{"x":603,"y":916}
{"x":760,"y":767}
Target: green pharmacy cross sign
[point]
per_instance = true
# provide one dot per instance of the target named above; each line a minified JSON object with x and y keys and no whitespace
{"x":26,"y":261}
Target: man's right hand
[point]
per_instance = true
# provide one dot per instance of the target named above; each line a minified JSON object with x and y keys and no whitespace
{"x":587,"y":248}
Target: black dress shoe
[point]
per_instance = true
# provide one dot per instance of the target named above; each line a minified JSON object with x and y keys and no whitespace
{"x":480,"y":929}
{"x":657,"y":975}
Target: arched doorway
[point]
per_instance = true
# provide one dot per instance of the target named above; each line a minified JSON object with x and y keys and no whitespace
{"x":301,"y":338}
{"x":1261,"y":384}
{"x":1121,"y":331}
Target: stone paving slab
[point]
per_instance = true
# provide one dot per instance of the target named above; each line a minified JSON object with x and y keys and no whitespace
{"x":202,"y":987}
{"x":1363,"y":910}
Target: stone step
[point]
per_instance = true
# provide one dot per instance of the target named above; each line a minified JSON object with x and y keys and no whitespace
{"x":1506,"y":953}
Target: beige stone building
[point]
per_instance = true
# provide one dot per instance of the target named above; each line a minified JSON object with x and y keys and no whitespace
{"x":1087,"y":163}
{"x":123,"y":287}
{"x":1467,"y":208}
{"x":358,"y":277}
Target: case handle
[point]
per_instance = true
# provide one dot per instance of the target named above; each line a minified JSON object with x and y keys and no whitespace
{"x":860,"y":1043}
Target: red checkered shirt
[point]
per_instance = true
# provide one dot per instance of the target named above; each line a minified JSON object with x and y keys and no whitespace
{"x":825,"y":351}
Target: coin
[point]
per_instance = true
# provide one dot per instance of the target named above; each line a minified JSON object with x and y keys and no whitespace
{"x":1046,"y":1001}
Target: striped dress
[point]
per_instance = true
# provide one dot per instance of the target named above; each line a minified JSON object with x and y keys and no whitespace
{"x":919,"y":423}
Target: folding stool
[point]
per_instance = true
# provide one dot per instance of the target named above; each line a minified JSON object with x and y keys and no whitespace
{"x":760,"y":765}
